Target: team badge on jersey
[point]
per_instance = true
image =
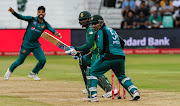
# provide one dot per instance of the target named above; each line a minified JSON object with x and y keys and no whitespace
{"x":97,"y":36}
{"x":24,"y":51}
{"x":34,"y":23}
{"x":42,"y":26}
{"x":32,"y":28}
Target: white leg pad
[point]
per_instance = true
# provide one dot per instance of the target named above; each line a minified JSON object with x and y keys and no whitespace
{"x":91,"y":77}
{"x":93,"y":89}
{"x":131,"y":87}
{"x":125,"y":79}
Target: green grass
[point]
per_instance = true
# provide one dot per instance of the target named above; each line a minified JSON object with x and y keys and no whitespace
{"x":9,"y":101}
{"x":156,"y":72}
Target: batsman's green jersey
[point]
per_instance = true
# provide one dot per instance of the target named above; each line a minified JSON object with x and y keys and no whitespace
{"x":31,"y":43}
{"x":89,"y":59}
{"x":90,"y":45}
{"x":90,"y":40}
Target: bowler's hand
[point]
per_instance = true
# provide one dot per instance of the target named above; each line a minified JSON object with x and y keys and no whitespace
{"x":11,"y":10}
{"x":58,"y":34}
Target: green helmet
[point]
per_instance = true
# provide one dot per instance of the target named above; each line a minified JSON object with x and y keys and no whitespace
{"x":84,"y":15}
{"x":84,"y":18}
{"x":96,"y":19}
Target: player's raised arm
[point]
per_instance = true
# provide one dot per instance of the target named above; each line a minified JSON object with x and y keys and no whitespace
{"x":19,"y":16}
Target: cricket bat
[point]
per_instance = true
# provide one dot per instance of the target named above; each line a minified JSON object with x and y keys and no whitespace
{"x":54,"y":41}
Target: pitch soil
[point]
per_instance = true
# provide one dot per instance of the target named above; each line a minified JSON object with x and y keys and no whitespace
{"x":60,"y":93}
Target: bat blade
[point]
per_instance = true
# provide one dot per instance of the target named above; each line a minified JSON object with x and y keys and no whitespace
{"x":54,"y":41}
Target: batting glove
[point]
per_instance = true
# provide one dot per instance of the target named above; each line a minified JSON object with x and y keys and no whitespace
{"x":71,"y":51}
{"x":75,"y":57}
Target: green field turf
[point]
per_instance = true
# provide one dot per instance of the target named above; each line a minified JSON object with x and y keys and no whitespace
{"x":156,"y":72}
{"x":15,"y":101}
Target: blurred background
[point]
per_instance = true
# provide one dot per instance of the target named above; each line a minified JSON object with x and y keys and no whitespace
{"x":147,"y":26}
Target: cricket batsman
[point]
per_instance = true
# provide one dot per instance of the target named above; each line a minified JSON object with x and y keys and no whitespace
{"x":110,"y":46}
{"x":36,"y":25}
{"x":87,"y":60}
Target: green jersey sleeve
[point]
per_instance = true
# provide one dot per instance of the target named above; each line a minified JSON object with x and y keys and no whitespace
{"x":19,"y":16}
{"x":50,"y":28}
{"x":90,"y":44}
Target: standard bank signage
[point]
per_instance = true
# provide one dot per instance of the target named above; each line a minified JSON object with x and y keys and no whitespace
{"x":147,"y":41}
{"x":150,"y":38}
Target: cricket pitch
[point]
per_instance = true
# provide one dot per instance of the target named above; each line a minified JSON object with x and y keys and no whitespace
{"x":61,"y":93}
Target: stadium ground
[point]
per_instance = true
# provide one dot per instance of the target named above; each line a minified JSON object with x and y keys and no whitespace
{"x":156,"y":76}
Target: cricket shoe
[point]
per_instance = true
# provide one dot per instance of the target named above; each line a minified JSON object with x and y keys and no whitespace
{"x":109,"y":94}
{"x":135,"y":95}
{"x":33,"y":76}
{"x":84,"y":91}
{"x":94,"y":98}
{"x":7,"y":74}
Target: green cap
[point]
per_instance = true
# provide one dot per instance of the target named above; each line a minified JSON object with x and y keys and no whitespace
{"x":84,"y":15}
{"x":96,"y":19}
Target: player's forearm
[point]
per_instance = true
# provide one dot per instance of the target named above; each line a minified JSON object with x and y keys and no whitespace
{"x":89,"y":43}
{"x":85,"y":52}
{"x":19,"y":16}
{"x":52,"y":30}
{"x":85,"y":47}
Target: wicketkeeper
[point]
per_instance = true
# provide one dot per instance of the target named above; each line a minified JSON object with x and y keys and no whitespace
{"x":110,"y":46}
{"x":36,"y":25}
{"x":87,"y":60}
